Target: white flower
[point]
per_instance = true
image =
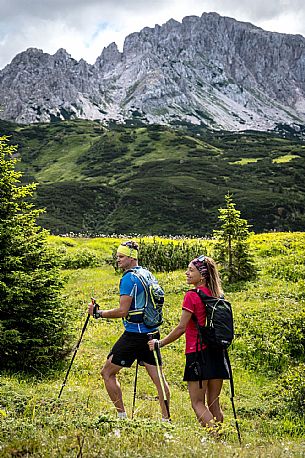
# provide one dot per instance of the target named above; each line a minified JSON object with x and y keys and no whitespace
{"x":117,"y":433}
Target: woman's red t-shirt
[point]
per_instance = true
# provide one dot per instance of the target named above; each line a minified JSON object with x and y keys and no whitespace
{"x":192,"y":303}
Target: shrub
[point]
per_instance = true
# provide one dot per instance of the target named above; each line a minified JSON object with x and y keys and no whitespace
{"x":289,"y":393}
{"x":81,"y":258}
{"x":268,"y":339}
{"x":293,"y":384}
{"x":159,"y":256}
{"x":289,"y":272}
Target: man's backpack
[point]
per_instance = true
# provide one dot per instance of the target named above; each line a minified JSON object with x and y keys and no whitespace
{"x":152,"y":312}
{"x":218,"y":331}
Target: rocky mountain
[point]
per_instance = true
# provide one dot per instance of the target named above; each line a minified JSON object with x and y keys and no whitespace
{"x":210,"y":69}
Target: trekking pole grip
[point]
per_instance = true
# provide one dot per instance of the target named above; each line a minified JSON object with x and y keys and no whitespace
{"x":151,"y":337}
{"x":95,"y":308}
{"x":156,"y":349}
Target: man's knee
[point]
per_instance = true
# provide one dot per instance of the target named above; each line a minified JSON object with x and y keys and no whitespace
{"x":106,"y":371}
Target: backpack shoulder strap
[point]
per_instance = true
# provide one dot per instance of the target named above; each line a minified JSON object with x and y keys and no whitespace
{"x":202,"y":295}
{"x":205,"y":297}
{"x":128,"y":271}
{"x":140,"y":277}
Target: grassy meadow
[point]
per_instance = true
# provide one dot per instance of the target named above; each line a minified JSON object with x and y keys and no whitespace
{"x":267,"y":358}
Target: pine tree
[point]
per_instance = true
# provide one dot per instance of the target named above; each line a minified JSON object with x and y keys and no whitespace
{"x":33,"y":327}
{"x":232,"y":247}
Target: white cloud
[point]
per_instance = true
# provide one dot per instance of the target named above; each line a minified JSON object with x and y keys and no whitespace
{"x":85,"y":27}
{"x":285,"y":23}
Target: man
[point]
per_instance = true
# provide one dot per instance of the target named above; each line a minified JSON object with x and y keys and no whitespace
{"x":132,"y":345}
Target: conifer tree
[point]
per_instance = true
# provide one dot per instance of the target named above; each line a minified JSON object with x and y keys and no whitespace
{"x":232,"y":247}
{"x":33,"y":324}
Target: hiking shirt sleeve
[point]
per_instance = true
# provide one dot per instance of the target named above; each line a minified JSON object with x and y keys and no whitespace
{"x":131,"y":286}
{"x":128,"y":285}
{"x":192,"y":303}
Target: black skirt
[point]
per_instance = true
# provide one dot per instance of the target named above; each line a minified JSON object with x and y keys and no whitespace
{"x":206,"y":365}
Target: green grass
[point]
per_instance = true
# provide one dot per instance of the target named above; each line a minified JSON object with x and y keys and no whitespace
{"x":286,"y":158}
{"x":57,"y":169}
{"x":245,"y":161}
{"x":83,"y":422}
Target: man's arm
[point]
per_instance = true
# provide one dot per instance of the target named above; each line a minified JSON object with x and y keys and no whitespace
{"x":119,"y":312}
{"x":122,"y":310}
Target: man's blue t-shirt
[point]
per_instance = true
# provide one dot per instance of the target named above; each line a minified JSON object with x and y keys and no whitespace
{"x":130,"y":285}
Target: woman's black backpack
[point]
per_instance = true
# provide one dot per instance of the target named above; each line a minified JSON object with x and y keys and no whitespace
{"x":218,"y":331}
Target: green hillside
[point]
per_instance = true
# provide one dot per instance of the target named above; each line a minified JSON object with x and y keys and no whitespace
{"x":157,"y":179}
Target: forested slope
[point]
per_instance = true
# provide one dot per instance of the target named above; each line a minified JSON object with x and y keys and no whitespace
{"x":158,"y":179}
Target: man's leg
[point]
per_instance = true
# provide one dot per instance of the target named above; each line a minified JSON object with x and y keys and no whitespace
{"x":153,"y":373}
{"x":112,"y":385}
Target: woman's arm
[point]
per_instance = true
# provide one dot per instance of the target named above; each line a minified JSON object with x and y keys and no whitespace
{"x":175,"y":333}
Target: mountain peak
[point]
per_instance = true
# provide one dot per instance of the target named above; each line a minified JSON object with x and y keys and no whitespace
{"x":26,"y":55}
{"x":210,"y":69}
{"x":61,"y":53}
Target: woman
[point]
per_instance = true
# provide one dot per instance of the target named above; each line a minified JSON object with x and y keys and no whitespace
{"x":211,"y":368}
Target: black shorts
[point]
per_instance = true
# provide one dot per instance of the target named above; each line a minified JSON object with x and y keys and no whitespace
{"x":211,"y":365}
{"x":132,"y":346}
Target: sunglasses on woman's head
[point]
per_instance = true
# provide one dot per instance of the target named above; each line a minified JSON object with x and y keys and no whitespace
{"x":201,"y":258}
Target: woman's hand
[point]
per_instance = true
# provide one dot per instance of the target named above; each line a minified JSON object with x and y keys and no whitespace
{"x":152,"y":344}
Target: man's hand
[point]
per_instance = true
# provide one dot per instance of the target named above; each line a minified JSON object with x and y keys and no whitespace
{"x":93,"y":308}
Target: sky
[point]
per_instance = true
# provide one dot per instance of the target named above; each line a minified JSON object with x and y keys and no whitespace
{"x":85,"y":27}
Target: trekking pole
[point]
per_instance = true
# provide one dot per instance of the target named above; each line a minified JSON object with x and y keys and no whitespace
{"x":160,"y":374}
{"x":236,"y":422}
{"x":135,"y":390}
{"x":232,"y":394}
{"x":77,"y":346}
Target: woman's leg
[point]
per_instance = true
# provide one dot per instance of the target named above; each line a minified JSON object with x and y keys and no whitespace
{"x":197,"y":394}
{"x":213,"y":393}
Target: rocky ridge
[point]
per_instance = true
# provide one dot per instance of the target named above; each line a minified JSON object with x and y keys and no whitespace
{"x":209,"y":69}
